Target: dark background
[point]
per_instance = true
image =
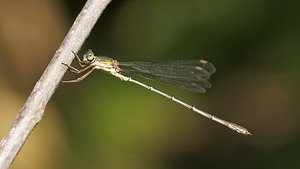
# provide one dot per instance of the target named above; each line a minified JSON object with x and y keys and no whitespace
{"x":103,"y":122}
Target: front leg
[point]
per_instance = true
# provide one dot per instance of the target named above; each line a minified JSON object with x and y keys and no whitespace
{"x":73,"y":69}
{"x":81,"y":63}
{"x":79,"y":79}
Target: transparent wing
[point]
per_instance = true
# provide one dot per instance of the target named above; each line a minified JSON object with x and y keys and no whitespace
{"x":191,"y":75}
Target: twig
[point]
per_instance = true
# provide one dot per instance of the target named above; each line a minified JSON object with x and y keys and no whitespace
{"x":33,"y":110}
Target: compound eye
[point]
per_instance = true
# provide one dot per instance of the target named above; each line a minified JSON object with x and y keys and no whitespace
{"x":89,"y":56}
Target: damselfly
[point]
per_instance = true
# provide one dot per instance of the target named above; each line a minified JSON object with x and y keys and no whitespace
{"x":192,"y":75}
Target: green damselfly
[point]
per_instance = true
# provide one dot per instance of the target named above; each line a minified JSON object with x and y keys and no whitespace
{"x":192,"y":75}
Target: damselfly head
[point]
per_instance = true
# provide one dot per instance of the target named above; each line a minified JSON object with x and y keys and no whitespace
{"x":88,"y":56}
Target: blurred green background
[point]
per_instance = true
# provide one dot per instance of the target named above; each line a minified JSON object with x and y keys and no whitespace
{"x":103,"y":122}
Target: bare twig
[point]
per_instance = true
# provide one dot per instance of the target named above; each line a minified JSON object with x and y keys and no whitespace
{"x":33,"y":110}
